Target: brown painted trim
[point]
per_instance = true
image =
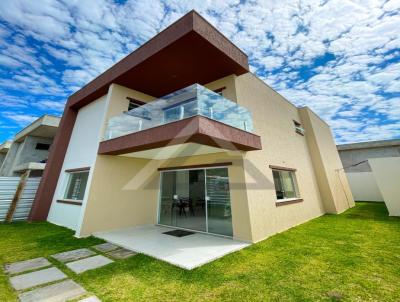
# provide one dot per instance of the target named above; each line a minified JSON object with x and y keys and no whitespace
{"x":140,"y":103}
{"x":78,"y":169}
{"x":76,"y":203}
{"x":196,"y":166}
{"x":283,"y":203}
{"x":282,"y":168}
{"x":197,"y":129}
{"x":45,"y":192}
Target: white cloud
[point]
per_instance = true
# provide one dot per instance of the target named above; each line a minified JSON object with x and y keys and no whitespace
{"x":74,"y":41}
{"x":21,"y":119}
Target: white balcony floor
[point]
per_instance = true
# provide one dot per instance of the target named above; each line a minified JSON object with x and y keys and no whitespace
{"x":187,"y":252}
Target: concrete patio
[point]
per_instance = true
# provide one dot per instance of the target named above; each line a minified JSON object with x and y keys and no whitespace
{"x":187,"y":252}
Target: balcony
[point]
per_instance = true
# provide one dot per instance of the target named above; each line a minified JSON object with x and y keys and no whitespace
{"x":187,"y":102}
{"x":193,"y":114}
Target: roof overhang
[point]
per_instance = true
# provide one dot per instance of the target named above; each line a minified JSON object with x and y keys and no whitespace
{"x":197,"y":130}
{"x":45,"y":126}
{"x":4,"y":147}
{"x":189,"y":51}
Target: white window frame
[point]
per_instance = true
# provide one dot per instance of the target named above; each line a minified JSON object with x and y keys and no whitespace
{"x":293,"y":177}
{"x":69,"y":178}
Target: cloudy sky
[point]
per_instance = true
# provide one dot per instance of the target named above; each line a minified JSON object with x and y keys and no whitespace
{"x":339,"y":57}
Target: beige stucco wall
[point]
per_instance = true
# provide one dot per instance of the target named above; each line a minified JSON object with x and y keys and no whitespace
{"x":387,"y":175}
{"x":124,"y":192}
{"x":229,"y":83}
{"x":116,"y":199}
{"x":363,"y":186}
{"x":332,"y":181}
{"x":281,"y":146}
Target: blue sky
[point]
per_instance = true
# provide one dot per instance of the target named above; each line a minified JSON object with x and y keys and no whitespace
{"x":341,"y":58}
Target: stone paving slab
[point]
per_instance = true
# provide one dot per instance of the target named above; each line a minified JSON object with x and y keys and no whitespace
{"x":27,"y":265}
{"x":73,"y":255}
{"x":37,"y":278}
{"x":106,"y":247}
{"x":90,"y":299}
{"x":86,"y":264}
{"x":121,"y":253}
{"x":58,"y":292}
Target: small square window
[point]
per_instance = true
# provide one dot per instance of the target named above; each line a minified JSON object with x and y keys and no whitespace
{"x":41,"y":146}
{"x":298,"y":128}
{"x":285,"y":184}
{"x":76,"y":187}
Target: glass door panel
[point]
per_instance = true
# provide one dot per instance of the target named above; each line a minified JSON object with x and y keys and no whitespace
{"x":183,"y":199}
{"x":219,"y":215}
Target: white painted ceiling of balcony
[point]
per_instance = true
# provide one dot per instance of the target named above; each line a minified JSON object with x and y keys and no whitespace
{"x":181,"y":150}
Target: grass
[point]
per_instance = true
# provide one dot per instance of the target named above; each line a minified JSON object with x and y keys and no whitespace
{"x":354,"y":256}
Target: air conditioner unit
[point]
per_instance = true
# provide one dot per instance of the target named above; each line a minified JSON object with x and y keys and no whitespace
{"x":300,"y":130}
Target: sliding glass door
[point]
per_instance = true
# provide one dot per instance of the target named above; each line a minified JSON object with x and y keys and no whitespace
{"x":197,"y":200}
{"x":219,"y":214}
{"x":182,"y":199}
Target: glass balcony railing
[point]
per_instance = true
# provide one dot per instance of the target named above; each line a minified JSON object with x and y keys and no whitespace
{"x":184,"y":103}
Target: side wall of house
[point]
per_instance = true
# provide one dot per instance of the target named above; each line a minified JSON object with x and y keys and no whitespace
{"x":363,"y":186}
{"x":281,"y":146}
{"x":332,"y":181}
{"x":8,"y":162}
{"x":81,"y":152}
{"x":387,"y":174}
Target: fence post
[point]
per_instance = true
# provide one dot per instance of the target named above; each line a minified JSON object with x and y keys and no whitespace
{"x":17,"y":195}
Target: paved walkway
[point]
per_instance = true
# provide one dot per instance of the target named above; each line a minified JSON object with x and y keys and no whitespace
{"x":37,"y":280}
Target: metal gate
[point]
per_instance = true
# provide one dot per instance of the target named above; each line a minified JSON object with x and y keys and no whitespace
{"x":8,"y":186}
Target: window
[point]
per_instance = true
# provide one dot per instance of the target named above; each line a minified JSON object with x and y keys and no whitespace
{"x":76,"y":185}
{"x":298,"y":128}
{"x":285,"y":184}
{"x":133,"y":103}
{"x":41,"y":146}
{"x":220,"y":90}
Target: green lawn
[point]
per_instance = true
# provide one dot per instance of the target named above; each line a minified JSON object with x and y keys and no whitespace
{"x":354,"y":256}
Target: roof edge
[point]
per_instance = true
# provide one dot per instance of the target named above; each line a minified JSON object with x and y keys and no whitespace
{"x":369,"y":144}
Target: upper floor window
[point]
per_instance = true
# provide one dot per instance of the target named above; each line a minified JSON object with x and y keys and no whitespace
{"x":285,"y":184}
{"x":133,"y":103}
{"x":76,"y":186}
{"x":220,"y":90}
{"x":298,"y":127}
{"x":41,"y":146}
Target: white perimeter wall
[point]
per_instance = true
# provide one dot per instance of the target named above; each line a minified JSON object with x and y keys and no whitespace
{"x":363,"y":186}
{"x":81,"y":152}
{"x":387,"y":175}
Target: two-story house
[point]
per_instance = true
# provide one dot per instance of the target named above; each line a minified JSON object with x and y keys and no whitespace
{"x":180,"y":133}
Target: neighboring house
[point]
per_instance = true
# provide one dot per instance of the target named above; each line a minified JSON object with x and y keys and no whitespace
{"x":205,"y":146}
{"x":30,"y":148}
{"x":4,"y":147}
{"x":355,"y":159}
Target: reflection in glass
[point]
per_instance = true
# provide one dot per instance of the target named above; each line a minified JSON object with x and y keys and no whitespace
{"x":219,"y":202}
{"x":183,"y":201}
{"x":190,"y":101}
